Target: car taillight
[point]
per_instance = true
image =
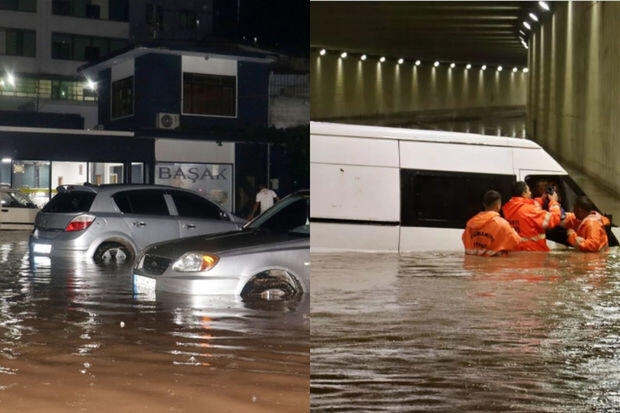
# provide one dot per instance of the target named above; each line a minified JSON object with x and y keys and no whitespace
{"x":79,"y":223}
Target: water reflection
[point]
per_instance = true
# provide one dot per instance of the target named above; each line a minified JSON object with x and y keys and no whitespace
{"x":445,"y":332}
{"x":74,"y":336}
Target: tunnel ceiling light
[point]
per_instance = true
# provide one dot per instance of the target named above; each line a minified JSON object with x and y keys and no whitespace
{"x":515,"y":70}
{"x":10,"y":78}
{"x":418,"y":62}
{"x":499,"y":68}
{"x":6,"y":160}
{"x":452,"y":65}
{"x":533,"y":17}
{"x":436,"y":63}
{"x":343,"y":55}
{"x":521,"y":32}
{"x":527,"y":25}
{"x":524,"y":44}
{"x":525,"y":70}
{"x":484,"y":67}
{"x":401,"y":61}
{"x":382,"y":59}
{"x":543,"y":5}
{"x":91,"y":85}
{"x":468,"y":66}
{"x":322,"y":52}
{"x":363,"y":57}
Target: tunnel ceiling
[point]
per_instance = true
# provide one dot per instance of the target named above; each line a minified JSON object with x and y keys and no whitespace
{"x":476,"y":32}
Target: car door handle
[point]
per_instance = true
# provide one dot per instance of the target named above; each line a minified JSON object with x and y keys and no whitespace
{"x":139,"y":224}
{"x":5,"y":210}
{"x":189,"y":226}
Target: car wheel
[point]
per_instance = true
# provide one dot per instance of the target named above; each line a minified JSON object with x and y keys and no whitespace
{"x":112,"y":252}
{"x":271,"y":285}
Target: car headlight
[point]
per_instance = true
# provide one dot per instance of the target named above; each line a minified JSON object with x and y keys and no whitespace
{"x":195,"y":261}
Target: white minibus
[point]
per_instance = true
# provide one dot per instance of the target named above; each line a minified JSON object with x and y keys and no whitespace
{"x":400,"y":190}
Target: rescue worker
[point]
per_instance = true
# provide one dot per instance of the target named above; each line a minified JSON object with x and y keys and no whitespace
{"x":487,"y":233}
{"x":586,"y":227}
{"x":529,"y":219}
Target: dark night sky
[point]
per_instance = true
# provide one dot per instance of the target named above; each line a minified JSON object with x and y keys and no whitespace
{"x":281,"y":24}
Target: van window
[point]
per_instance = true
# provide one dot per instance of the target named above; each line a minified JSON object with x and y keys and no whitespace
{"x":446,"y":199}
{"x":144,"y":202}
{"x":567,"y":189}
{"x":72,"y":201}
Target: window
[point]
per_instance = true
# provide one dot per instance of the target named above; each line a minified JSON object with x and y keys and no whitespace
{"x":18,"y":42}
{"x":290,"y":214}
{"x":72,"y":201}
{"x":187,"y":19}
{"x":77,"y":8}
{"x":446,"y":199}
{"x":213,"y":95}
{"x":145,"y":202}
{"x":75,"y":47}
{"x":154,"y":17}
{"x":122,"y":97}
{"x":194,"y":206}
{"x":19,"y":5}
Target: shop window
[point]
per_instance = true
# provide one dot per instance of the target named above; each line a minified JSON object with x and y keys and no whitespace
{"x":212,"y":95}
{"x":122,"y":97}
{"x":446,"y":199}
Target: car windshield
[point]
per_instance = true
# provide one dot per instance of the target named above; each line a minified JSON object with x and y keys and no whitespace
{"x":15,"y":199}
{"x":291,"y":214}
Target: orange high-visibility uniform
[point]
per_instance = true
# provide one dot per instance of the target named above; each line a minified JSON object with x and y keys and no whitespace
{"x":531,"y":221}
{"x":487,"y":233}
{"x":588,"y":235}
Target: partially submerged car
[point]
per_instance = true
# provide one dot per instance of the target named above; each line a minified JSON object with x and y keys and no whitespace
{"x":269,"y":258}
{"x":17,"y":211}
{"x":113,"y":223}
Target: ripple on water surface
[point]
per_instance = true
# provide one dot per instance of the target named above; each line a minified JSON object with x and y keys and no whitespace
{"x":444,"y":332}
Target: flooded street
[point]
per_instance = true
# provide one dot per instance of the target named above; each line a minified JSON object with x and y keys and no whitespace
{"x":74,"y":338}
{"x":439,"y":332}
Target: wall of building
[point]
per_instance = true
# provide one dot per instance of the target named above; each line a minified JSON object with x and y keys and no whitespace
{"x":573,"y":93}
{"x":352,"y":88}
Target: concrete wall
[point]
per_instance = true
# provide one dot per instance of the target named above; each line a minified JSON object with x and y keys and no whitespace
{"x":574,"y":92}
{"x":349,"y":88}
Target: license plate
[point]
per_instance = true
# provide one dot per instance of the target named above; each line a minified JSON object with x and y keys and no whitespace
{"x":144,"y":285}
{"x":41,"y":248}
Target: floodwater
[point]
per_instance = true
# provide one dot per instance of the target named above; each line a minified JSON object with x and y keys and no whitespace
{"x":441,"y":332}
{"x":74,"y":338}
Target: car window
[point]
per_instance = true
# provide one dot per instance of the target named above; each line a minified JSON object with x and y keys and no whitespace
{"x":143,"y":202}
{"x":74,"y":201}
{"x":290,"y":214}
{"x":15,"y":200}
{"x":194,"y":206}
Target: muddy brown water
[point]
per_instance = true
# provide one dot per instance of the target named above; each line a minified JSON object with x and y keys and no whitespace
{"x":441,"y":332}
{"x":75,"y":338}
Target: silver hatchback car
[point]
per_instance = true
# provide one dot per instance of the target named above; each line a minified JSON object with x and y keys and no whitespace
{"x":113,"y":223}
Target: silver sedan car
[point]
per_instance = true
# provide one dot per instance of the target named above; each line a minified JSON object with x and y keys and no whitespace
{"x":269,"y":258}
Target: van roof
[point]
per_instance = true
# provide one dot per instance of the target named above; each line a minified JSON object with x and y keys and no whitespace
{"x":382,"y":132}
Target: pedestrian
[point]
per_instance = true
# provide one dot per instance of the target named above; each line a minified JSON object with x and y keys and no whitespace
{"x":487,"y":233}
{"x":586,"y":227}
{"x":529,"y":219}
{"x":265,"y":198}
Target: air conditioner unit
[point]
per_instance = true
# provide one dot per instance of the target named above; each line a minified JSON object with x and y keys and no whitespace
{"x":168,"y":120}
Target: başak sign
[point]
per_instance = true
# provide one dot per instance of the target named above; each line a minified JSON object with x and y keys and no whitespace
{"x":215,"y":180}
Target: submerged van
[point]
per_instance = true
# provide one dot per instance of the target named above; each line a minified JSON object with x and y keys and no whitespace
{"x":399,"y":190}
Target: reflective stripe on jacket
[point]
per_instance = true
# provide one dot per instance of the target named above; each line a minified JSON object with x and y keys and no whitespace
{"x":531,"y":221}
{"x":487,"y":233}
{"x":590,"y":235}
